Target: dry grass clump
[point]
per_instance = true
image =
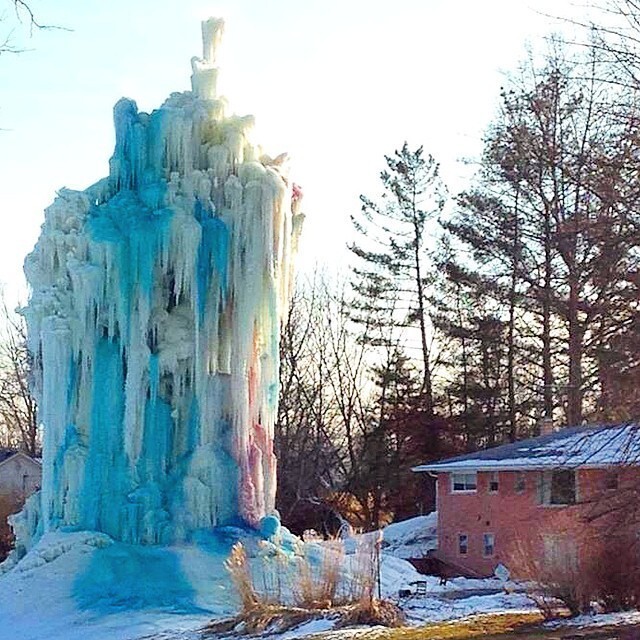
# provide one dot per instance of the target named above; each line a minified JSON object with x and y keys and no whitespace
{"x":237,"y":565}
{"x":371,"y":613}
{"x":279,"y":619}
{"x":317,"y":587}
{"x":286,"y":590}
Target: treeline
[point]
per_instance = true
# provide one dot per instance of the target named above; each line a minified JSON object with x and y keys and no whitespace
{"x":470,"y":320}
{"x":18,"y":410}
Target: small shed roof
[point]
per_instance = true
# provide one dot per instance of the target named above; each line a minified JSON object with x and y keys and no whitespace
{"x":586,"y":447}
{"x":6,"y":453}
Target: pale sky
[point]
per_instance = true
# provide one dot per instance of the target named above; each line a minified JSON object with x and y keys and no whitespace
{"x":336,"y":83}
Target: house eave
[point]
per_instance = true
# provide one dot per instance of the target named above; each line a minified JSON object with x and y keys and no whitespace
{"x":22,"y":454}
{"x":436,"y":468}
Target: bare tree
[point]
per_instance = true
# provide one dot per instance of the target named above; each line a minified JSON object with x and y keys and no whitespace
{"x":320,"y":390}
{"x":20,"y":21}
{"x":18,"y":411}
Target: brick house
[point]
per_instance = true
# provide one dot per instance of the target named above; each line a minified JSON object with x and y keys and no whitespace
{"x":559,"y":497}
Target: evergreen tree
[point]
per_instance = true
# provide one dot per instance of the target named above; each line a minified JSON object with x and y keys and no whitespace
{"x":391,"y":274}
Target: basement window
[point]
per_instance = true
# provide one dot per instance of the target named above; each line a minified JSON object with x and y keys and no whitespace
{"x":558,"y":487}
{"x":463,"y":482}
{"x":463,"y":544}
{"x":488,"y":544}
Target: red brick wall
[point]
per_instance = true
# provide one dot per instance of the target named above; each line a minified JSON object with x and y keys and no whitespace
{"x":517,"y":520}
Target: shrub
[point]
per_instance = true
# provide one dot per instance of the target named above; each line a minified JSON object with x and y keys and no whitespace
{"x":608,"y":578}
{"x":613,"y":575}
{"x":552,"y":582}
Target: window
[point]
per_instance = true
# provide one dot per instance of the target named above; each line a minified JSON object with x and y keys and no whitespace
{"x":558,"y":487}
{"x":488,"y":544}
{"x":611,"y":480}
{"x":521,"y":483}
{"x":560,"y":554}
{"x":493,"y":482}
{"x":463,"y":481}
{"x":463,"y":544}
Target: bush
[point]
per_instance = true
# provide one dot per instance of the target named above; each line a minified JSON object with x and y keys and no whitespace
{"x":608,"y":579}
{"x":613,"y":575}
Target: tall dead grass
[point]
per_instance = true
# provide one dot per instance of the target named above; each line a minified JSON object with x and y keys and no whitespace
{"x":237,"y":564}
{"x":320,"y":579}
{"x":317,"y":586}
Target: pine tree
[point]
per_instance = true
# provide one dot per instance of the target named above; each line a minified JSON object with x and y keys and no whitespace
{"x":391,"y":274}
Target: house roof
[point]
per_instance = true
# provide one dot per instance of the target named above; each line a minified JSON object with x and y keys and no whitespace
{"x":588,"y":446}
{"x":6,"y":453}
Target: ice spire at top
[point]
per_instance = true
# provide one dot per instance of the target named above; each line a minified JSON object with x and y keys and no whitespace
{"x":212,"y":30}
{"x":205,"y":73}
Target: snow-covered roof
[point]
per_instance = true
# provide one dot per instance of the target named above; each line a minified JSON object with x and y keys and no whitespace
{"x":6,"y":453}
{"x":588,"y":446}
{"x":9,"y":454}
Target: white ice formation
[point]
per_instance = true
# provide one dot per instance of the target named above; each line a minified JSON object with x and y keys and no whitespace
{"x":157,"y":296}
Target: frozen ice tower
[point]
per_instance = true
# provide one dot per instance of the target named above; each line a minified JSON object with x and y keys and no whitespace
{"x":156,"y":300}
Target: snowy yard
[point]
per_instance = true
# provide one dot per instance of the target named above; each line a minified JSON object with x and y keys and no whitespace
{"x":83,"y":586}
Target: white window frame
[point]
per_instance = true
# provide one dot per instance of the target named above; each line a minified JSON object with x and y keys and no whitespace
{"x":466,"y":544}
{"x":494,"y":476}
{"x":485,"y":546}
{"x":465,"y":475}
{"x":545,"y":489}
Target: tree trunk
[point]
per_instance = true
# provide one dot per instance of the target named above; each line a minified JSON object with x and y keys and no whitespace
{"x":511,"y":383}
{"x":547,"y":371}
{"x":576,"y":334}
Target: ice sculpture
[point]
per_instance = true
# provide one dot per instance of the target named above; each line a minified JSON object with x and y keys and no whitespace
{"x":153,"y":321}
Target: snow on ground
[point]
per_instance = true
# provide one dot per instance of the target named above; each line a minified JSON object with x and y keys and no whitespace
{"x":84,"y":586}
{"x":412,"y":538}
{"x":599,"y":620}
{"x":434,"y":608}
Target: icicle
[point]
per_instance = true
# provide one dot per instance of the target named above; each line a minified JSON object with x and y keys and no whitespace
{"x":154,"y":318}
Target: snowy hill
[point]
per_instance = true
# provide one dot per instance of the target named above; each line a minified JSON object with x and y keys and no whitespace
{"x":412,"y":538}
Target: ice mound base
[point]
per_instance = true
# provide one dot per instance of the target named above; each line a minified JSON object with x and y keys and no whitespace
{"x":84,"y":585}
{"x":157,"y":297}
